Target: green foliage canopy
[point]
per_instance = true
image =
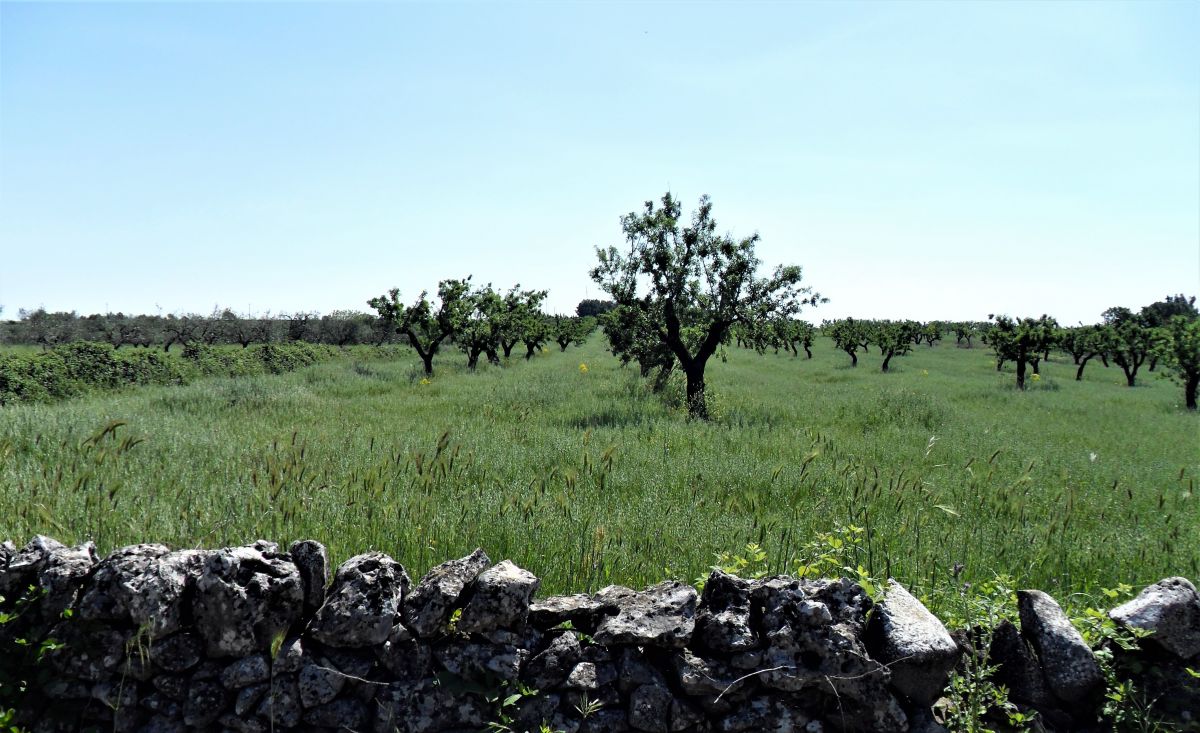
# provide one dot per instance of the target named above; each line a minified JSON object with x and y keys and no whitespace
{"x":687,"y":285}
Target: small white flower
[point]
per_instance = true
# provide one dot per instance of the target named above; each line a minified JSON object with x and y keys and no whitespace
{"x":1092,"y":457}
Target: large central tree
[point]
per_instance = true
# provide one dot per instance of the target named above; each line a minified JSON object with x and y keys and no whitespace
{"x":689,"y":285}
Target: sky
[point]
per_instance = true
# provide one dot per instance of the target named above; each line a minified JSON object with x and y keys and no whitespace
{"x":918,"y":160}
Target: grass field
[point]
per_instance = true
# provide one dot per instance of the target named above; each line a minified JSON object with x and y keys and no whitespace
{"x":586,"y":478}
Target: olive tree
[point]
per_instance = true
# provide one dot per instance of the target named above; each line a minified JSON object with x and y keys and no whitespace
{"x":692,"y":285}
{"x":848,"y":335}
{"x":520,"y":316}
{"x":1085,"y":343}
{"x":789,"y":333}
{"x":480,"y":324}
{"x":1133,"y":341}
{"x":426,"y":325}
{"x":568,"y":330}
{"x":1021,"y":341}
{"x":895,"y":338}
{"x":1180,"y":350}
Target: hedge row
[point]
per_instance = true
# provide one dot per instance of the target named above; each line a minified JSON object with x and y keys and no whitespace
{"x":83,"y":366}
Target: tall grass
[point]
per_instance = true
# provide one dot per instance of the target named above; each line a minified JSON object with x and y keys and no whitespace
{"x":586,"y":478}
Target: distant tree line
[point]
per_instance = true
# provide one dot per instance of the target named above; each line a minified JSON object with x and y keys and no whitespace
{"x":221,"y":327}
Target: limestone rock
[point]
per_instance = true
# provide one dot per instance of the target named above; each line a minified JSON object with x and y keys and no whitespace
{"x":63,"y":571}
{"x":22,"y":566}
{"x":428,"y":608}
{"x":206,"y":700}
{"x":404,"y":656}
{"x":352,"y":662}
{"x":163,"y":724}
{"x":115,"y":694}
{"x":763,"y":713}
{"x":635,"y":671}
{"x":913,"y":643}
{"x":723,"y":621}
{"x":1170,"y":610}
{"x":312,"y":560}
{"x":88,"y":651}
{"x":362,"y":606}
{"x":157,"y":597}
{"x":106,"y":595}
{"x":319,"y":684}
{"x":248,"y":697}
{"x":500,"y":599}
{"x":1017,"y":667}
{"x":583,"y":611}
{"x":476,"y":661}
{"x":7,"y":552}
{"x":245,"y":672}
{"x":344,"y":714}
{"x":173,"y":686}
{"x":663,"y":615}
{"x":1071,"y":670}
{"x":177,"y":653}
{"x":531,"y":710}
{"x":281,"y":704}
{"x":582,"y":678}
{"x":289,"y":658}
{"x":167,"y":709}
{"x":550,"y":667}
{"x":244,"y":598}
{"x":426,"y":707}
{"x":243,"y":724}
{"x":812,"y":633}
{"x":708,"y":678}
{"x":606,"y":720}
{"x":650,"y":708}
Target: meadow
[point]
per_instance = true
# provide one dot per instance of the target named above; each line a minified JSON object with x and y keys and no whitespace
{"x":571,"y":467}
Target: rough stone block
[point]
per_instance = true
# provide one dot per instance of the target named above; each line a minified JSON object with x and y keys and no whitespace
{"x":913,"y":643}
{"x":500,"y":599}
{"x":1170,"y":610}
{"x":1071,"y":670}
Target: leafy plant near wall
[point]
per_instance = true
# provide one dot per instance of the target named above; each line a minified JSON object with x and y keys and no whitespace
{"x":1126,"y":707}
{"x":972,"y":694}
{"x":19,"y":655}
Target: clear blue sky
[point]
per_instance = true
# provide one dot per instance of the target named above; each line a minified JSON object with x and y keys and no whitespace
{"x":922,"y":160}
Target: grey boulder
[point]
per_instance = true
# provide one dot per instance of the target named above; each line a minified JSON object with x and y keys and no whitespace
{"x":500,"y":599}
{"x":1170,"y":611}
{"x":663,"y":615}
{"x":108,"y":593}
{"x":428,"y":608}
{"x":913,"y":643}
{"x":362,"y":606}
{"x":157,"y":597}
{"x":21,"y":567}
{"x":245,"y":596}
{"x":312,"y":560}
{"x":582,"y":611}
{"x":723,"y":621}
{"x":61,"y":575}
{"x":1070,"y":668}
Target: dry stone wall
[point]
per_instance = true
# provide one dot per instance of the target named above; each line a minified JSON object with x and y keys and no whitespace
{"x":259,"y":639}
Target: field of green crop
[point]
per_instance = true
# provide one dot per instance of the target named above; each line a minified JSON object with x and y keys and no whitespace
{"x":582,"y":475}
